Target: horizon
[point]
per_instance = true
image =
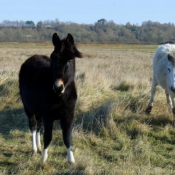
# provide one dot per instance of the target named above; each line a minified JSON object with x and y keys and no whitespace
{"x":72,"y":22}
{"x":120,"y":12}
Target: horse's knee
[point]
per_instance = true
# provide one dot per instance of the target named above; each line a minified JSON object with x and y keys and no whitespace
{"x":148,"y":109}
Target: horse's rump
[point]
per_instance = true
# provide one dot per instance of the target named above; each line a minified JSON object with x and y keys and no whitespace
{"x":35,"y":71}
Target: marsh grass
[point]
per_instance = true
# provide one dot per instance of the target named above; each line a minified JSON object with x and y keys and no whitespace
{"x":112,"y":134}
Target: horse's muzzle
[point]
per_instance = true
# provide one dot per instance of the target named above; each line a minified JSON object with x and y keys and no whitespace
{"x":59,"y":87}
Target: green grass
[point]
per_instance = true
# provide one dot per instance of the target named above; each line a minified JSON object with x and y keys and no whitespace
{"x":112,"y":134}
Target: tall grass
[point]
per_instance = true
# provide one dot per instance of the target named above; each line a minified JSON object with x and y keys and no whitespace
{"x":112,"y":134}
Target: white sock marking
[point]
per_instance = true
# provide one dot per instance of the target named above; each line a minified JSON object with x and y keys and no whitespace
{"x":70,"y":155}
{"x":34,"y":147}
{"x":45,"y":155}
{"x":38,"y":141}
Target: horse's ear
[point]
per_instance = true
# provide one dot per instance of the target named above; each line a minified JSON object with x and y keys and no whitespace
{"x":77,"y":53}
{"x":55,"y":39}
{"x":70,"y":39}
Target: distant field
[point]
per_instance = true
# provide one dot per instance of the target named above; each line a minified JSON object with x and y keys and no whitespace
{"x":112,"y":134}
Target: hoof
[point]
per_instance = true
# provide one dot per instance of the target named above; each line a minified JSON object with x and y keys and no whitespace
{"x":39,"y":151}
{"x":148,"y":109}
{"x":34,"y":153}
{"x":71,"y":163}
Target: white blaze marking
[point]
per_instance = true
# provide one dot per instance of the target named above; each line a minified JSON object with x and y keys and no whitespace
{"x":70,"y":155}
{"x":34,"y":147}
{"x":45,"y":155}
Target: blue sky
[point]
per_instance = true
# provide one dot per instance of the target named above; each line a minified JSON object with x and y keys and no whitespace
{"x":88,"y":12}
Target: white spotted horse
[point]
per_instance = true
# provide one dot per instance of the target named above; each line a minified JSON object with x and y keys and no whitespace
{"x":164,"y":75}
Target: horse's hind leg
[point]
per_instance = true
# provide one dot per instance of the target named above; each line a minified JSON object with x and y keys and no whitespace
{"x":39,"y":125}
{"x":66,"y":126}
{"x":48,"y":125}
{"x":33,"y":129}
{"x":169,"y":103}
{"x":153,"y":90}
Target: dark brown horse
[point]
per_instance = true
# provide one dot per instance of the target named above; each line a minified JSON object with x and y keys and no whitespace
{"x":48,"y":93}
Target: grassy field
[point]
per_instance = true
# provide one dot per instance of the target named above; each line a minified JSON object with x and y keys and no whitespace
{"x":112,"y":134}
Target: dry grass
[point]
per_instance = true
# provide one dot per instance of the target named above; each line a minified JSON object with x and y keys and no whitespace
{"x":112,"y":134}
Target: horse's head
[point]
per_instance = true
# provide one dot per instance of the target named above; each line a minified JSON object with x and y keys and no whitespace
{"x":171,"y":70}
{"x":63,"y":62}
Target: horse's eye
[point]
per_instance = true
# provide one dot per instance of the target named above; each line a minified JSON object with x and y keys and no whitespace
{"x":169,"y":69}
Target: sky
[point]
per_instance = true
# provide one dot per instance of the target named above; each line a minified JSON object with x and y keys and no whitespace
{"x":88,"y":12}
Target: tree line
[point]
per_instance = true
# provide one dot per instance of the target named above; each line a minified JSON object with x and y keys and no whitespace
{"x":102,"y":31}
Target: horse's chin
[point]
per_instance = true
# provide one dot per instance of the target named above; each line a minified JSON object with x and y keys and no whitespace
{"x":59,"y":93}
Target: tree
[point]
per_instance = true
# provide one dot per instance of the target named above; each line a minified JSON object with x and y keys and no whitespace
{"x":30,"y":23}
{"x":101,"y":21}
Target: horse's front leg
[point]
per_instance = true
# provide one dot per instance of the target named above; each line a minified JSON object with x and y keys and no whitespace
{"x":169,"y":102}
{"x":153,"y":90}
{"x":66,"y":125}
